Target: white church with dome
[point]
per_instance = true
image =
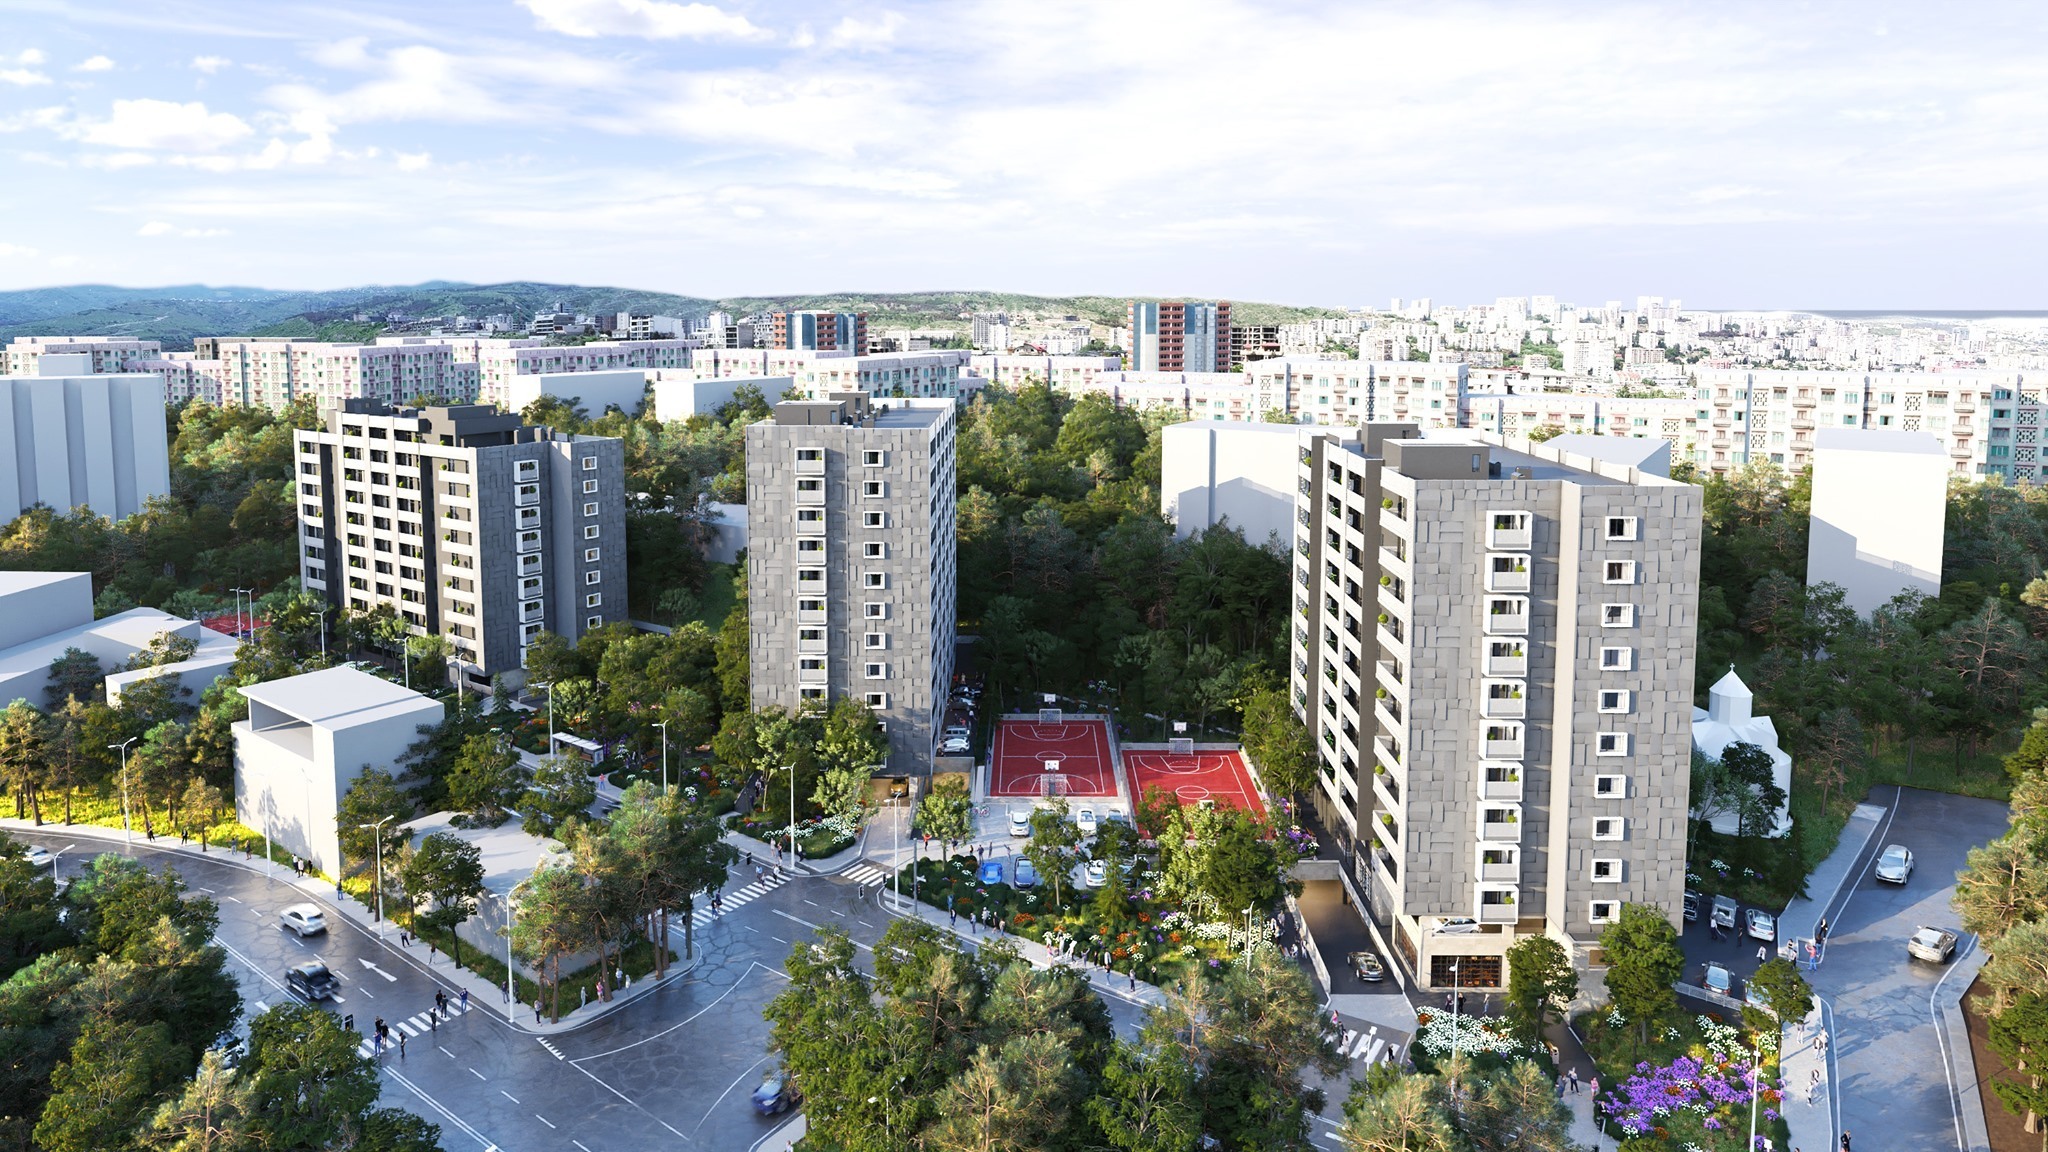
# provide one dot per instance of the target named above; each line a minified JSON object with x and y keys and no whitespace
{"x":1728,"y":719}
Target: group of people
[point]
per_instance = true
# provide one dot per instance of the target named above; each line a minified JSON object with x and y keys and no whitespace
{"x":380,"y":1032}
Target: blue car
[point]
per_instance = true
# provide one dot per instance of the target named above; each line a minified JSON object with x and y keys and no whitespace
{"x":992,"y":872}
{"x":1027,"y":876}
{"x":777,"y":1093}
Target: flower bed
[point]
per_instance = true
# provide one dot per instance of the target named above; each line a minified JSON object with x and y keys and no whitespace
{"x":815,"y":839}
{"x":1488,"y":1040}
{"x":1702,"y":1098}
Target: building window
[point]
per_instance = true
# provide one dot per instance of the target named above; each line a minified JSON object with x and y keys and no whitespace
{"x":873,"y":489}
{"x":811,"y":664}
{"x":874,"y":550}
{"x":592,"y":577}
{"x":590,"y":463}
{"x":590,"y":555}
{"x":1617,"y":615}
{"x":1606,"y":870}
{"x":590,"y":531}
{"x":874,"y":459}
{"x":877,"y":699}
{"x":1612,"y":700}
{"x":1621,"y":572}
{"x":874,"y":580}
{"x":1609,"y":827}
{"x":1621,"y":527}
{"x":810,"y":694}
{"x":875,"y":640}
{"x":1606,"y":911}
{"x":811,"y":635}
{"x":811,"y":484}
{"x":810,"y":515}
{"x":874,"y":519}
{"x":1617,"y":659}
{"x":811,"y":455}
{"x":875,"y":610}
{"x":590,"y":508}
{"x":1609,"y":787}
{"x":590,"y":487}
{"x":1611,"y":744}
{"x":593,"y":622}
{"x":810,"y":605}
{"x":595,"y":599}
{"x":876,"y":670}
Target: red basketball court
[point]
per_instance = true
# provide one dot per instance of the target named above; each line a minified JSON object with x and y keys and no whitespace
{"x":1074,"y":753}
{"x":1193,"y":777}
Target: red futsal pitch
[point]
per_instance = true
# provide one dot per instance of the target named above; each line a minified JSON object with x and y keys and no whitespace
{"x":1192,"y":777}
{"x":1018,"y":763}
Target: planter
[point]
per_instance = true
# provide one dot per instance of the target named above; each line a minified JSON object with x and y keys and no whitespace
{"x":1386,"y":580}
{"x":1383,"y":617}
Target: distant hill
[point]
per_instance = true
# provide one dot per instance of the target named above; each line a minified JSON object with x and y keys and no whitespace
{"x":175,"y":315}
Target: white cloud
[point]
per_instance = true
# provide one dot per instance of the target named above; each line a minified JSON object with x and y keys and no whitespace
{"x":162,"y":124}
{"x":115,"y":161}
{"x":414,"y":161}
{"x":22,"y":77}
{"x":16,"y":251}
{"x":95,"y":64}
{"x":653,"y":19}
{"x":30,"y":57}
{"x":160,"y":228}
{"x":865,"y":35}
{"x":210,"y":64}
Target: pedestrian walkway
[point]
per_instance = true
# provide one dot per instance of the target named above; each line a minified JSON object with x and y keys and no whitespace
{"x":865,"y":873}
{"x":737,"y":898}
{"x":414,"y":1027}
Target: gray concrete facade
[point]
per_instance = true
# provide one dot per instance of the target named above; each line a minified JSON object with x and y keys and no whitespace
{"x":851,"y":573}
{"x":1494,"y":655}
{"x":469,"y":524}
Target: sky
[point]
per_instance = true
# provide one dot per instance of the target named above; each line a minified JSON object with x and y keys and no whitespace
{"x":1734,"y":155}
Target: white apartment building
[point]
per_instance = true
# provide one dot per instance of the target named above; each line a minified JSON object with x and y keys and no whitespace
{"x":681,"y":394}
{"x":501,"y":364}
{"x":1988,"y":423}
{"x":1493,"y":652}
{"x":1517,"y":413}
{"x":1339,"y":392}
{"x":1234,"y":472}
{"x":818,"y":374}
{"x":105,"y":355}
{"x":271,"y":373}
{"x":1879,"y":513}
{"x":470,"y":524}
{"x":76,"y":439}
{"x":851,"y":570}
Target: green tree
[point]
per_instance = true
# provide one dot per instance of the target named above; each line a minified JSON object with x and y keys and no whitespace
{"x":158,"y":767}
{"x":946,"y":812}
{"x":74,"y":675}
{"x":1278,"y":743}
{"x":1783,"y":990}
{"x":108,"y":1087}
{"x":553,"y":921}
{"x":1054,"y":846}
{"x":487,"y":777}
{"x":373,"y":810}
{"x":1540,"y":978}
{"x":116,"y":903}
{"x":2003,"y":883}
{"x":211,"y":1113}
{"x":199,"y":808}
{"x":1146,"y":1101}
{"x":560,"y":790}
{"x":307,"y":1087}
{"x":24,"y":756}
{"x":448,"y":872}
{"x":2019,"y":1034}
{"x":849,"y":749}
{"x":1644,"y":962}
{"x":31,"y":918}
{"x":1399,"y":1114}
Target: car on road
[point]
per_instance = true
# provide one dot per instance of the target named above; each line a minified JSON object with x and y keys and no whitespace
{"x":1934,"y":945}
{"x":991,"y":871}
{"x":1717,"y":979}
{"x":1692,"y":905}
{"x":1723,"y":915}
{"x":1895,"y":866}
{"x":1760,"y":925}
{"x":955,"y":746}
{"x":1020,"y":822}
{"x":1025,"y":875}
{"x":39,"y":856}
{"x":1096,"y":874}
{"x":777,"y":1093}
{"x":312,"y":980}
{"x":305,"y":919}
{"x":1367,"y":967}
{"x":1084,"y":819}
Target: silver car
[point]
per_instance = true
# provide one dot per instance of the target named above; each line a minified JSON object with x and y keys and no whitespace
{"x":1718,"y":979}
{"x":305,"y":919}
{"x":1760,"y":925}
{"x":1896,"y":865}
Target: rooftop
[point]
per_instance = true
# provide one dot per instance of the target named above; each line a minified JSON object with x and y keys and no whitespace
{"x":336,"y":698}
{"x":1862,"y":440}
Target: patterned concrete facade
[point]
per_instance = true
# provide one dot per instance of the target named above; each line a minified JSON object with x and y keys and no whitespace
{"x":851,"y":572}
{"x":1494,"y":655}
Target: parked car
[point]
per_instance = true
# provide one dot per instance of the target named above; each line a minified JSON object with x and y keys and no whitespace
{"x":1723,"y":914}
{"x":1760,"y":925}
{"x":1896,"y":865}
{"x":991,"y":871}
{"x":1692,"y":905}
{"x":955,"y":746}
{"x":1456,"y":925}
{"x":312,"y":980}
{"x":777,"y":1093}
{"x":1096,"y":874}
{"x":1020,"y":822}
{"x":1718,"y":979}
{"x":39,"y":856}
{"x":1084,"y":819}
{"x":1934,"y":945}
{"x":1117,"y":816}
{"x":1026,"y":876}
{"x":305,"y":919}
{"x":1367,"y":967}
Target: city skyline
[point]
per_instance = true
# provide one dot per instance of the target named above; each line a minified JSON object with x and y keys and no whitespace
{"x":1749,"y":159}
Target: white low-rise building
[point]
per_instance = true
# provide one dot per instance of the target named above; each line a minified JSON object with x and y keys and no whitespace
{"x":45,"y":614}
{"x":594,"y":392}
{"x":69,"y":438}
{"x":306,"y":740}
{"x":681,"y":394}
{"x":1728,"y":719}
{"x":1235,"y":473}
{"x":1879,"y":509}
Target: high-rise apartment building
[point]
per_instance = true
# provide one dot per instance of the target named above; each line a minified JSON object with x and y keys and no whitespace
{"x":1493,"y":652}
{"x":104,"y":354}
{"x":79,"y":439}
{"x":850,"y":562}
{"x":819,"y":331}
{"x":272,"y":372}
{"x":470,"y":524}
{"x":1175,"y":336}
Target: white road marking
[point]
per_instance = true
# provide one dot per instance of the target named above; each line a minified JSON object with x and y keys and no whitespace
{"x":236,"y":899}
{"x":475,"y":1073}
{"x":436,"y":1105}
{"x":581,"y":1144}
{"x":542,"y":1119}
{"x":446,"y":1052}
{"x":378,"y":971}
{"x":508,"y":1096}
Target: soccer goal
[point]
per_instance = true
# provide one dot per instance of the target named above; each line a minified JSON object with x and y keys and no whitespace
{"x":1181,"y":746}
{"x":1051,"y":784}
{"x":1051,"y":716}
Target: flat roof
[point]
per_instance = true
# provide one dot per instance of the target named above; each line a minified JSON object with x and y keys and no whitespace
{"x":1291,"y":431}
{"x":12,"y":582}
{"x":338,"y":698}
{"x":1873,"y":440}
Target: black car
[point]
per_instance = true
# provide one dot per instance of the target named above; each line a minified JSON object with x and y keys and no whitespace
{"x":312,"y":980}
{"x":1692,"y":905}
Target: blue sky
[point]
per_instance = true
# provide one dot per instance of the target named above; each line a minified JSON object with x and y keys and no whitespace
{"x":1735,"y":155}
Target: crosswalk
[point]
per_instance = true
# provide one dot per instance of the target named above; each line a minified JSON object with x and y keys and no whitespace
{"x":738,"y":897}
{"x":865,"y":874}
{"x":413,"y":1026}
{"x":1369,"y":1046}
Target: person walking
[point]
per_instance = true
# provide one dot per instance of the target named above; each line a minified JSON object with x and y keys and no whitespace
{"x":1845,"y":1140}
{"x":1593,"y":1090}
{"x":465,"y":999}
{"x":1573,"y":1076}
{"x":401,"y":1045}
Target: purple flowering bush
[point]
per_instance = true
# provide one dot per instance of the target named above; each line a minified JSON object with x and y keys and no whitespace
{"x":1696,"y":1101}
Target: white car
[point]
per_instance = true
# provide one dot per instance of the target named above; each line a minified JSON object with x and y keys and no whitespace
{"x":954,"y":746}
{"x":305,"y":919}
{"x":39,"y":856}
{"x":1760,"y":924}
{"x":1020,"y":822}
{"x":1718,"y":979}
{"x":1096,"y":874}
{"x":1084,"y":818}
{"x":1896,"y":865}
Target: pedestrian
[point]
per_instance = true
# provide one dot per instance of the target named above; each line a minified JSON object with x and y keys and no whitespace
{"x":536,"y":1007}
{"x":433,"y":1024}
{"x":1573,"y":1077}
{"x":401,"y":1045}
{"x":1845,"y":1140}
{"x":1560,"y":1087}
{"x":378,"y":1028}
{"x":1812,"y":1089}
{"x":1593,"y":1089}
{"x":1134,"y":977}
{"x":465,"y":999}
{"x":1762,"y":953}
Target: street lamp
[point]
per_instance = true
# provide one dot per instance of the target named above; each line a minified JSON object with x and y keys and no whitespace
{"x":1455,"y":1006}
{"x":239,"y":593}
{"x":663,"y":725}
{"x":53,"y":859}
{"x":127,"y":834}
{"x":791,"y":769}
{"x":323,"y":633}
{"x":377,"y":830}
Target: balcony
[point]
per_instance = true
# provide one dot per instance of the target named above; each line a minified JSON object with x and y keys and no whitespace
{"x":1506,"y":658}
{"x":1388,"y":712}
{"x":810,"y":462}
{"x":1391,"y":634}
{"x":1802,"y":423}
{"x":527,"y":518}
{"x":529,"y":565}
{"x":1502,"y":742}
{"x":1499,"y":866}
{"x":1507,"y":618}
{"x":530,"y":612}
{"x":1501,"y":824}
{"x":1802,"y":401}
{"x":810,"y":491}
{"x":1390,"y":671}
{"x":1964,"y":406}
{"x":527,"y":542}
{"x":1507,"y":573}
{"x":1500,"y":781}
{"x":1503,"y":700}
{"x":526,"y":494}
{"x":525,"y":471}
{"x":1497,"y":906}
{"x":1387,"y":750}
{"x":1389,"y":788}
{"x":1509,"y":531}
{"x":1384,"y":829}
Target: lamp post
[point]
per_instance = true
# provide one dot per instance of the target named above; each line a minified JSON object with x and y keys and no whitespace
{"x":323,"y":633}
{"x":239,"y":593}
{"x":663,"y":725}
{"x":511,"y":998}
{"x":53,"y":859}
{"x":127,"y":834}
{"x":1455,"y":1007}
{"x":791,"y":769}
{"x":377,"y":830}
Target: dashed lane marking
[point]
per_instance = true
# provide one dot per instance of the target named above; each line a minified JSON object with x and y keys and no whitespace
{"x":542,"y":1119}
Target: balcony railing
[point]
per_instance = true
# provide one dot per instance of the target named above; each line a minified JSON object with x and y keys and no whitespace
{"x":1503,"y":703}
{"x":1501,"y":665}
{"x":1500,"y":782}
{"x":1507,"y":623}
{"x":1491,"y":913}
{"x":1502,"y":744}
{"x":1496,"y":870}
{"x":1507,"y":574}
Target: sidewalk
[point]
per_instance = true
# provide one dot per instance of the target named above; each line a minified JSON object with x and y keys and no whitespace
{"x":437,"y":967}
{"x":1122,"y":987}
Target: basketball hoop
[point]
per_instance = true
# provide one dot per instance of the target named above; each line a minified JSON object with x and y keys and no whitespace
{"x":1051,"y":716}
{"x":1181,"y":746}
